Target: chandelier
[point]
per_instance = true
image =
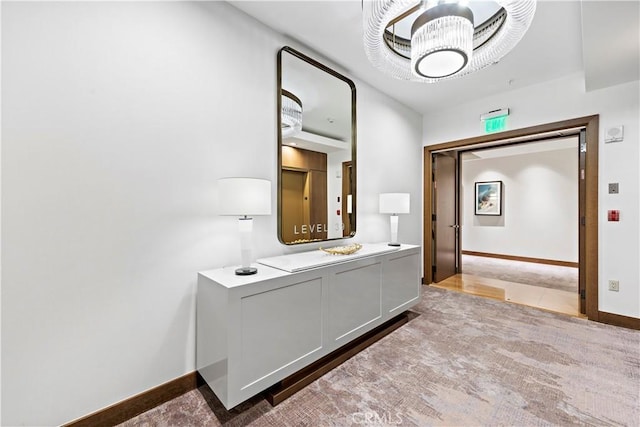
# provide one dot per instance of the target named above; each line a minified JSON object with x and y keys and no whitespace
{"x":434,"y":40}
{"x":291,"y":114}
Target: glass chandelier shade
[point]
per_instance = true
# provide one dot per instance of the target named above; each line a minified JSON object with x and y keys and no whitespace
{"x":441,"y":41}
{"x":440,"y":36}
{"x":291,"y":114}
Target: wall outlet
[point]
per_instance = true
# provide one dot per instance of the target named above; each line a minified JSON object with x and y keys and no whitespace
{"x":614,"y":285}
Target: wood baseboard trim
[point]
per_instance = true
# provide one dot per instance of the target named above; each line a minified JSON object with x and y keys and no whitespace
{"x":618,"y":320}
{"x":296,"y":382}
{"x":136,"y":405}
{"x":524,"y":259}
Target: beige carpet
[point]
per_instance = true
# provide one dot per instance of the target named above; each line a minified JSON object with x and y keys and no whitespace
{"x":462,"y":361}
{"x":528,"y":273}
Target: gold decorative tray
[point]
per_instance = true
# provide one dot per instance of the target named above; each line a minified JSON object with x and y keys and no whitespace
{"x":343,"y":250}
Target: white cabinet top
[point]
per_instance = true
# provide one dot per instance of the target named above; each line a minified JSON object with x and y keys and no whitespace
{"x":228,"y":278}
{"x":313,"y":259}
{"x":284,"y":265}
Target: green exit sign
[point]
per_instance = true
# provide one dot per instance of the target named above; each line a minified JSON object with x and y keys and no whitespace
{"x":496,"y":124}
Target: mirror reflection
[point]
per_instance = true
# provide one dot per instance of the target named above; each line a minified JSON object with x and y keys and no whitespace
{"x":316,"y":151}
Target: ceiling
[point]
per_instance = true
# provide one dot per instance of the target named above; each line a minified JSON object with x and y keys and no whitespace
{"x":555,"y":144}
{"x":598,"y":38}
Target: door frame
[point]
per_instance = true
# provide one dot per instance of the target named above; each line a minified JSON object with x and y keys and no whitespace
{"x":589,"y":238}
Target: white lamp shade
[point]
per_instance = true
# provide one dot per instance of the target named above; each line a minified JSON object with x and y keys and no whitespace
{"x":244,"y":196}
{"x":394,"y":203}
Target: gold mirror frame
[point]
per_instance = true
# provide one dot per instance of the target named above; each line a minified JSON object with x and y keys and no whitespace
{"x":348,"y":205}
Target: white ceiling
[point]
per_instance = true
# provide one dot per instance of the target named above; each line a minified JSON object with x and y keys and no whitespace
{"x":605,"y":33}
{"x":524,"y":148}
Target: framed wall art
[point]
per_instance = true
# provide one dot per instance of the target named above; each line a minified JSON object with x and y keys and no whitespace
{"x":488,"y":198}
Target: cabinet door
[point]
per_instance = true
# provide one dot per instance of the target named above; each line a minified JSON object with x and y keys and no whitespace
{"x":401,"y":283}
{"x":354,"y":301}
{"x":280,"y":332}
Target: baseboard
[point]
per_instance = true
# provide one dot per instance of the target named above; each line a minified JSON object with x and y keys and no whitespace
{"x":618,"y":320}
{"x":524,"y":259}
{"x":136,"y":405}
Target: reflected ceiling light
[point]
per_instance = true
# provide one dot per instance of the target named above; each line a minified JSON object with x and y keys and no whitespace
{"x":447,"y":39}
{"x":291,"y":114}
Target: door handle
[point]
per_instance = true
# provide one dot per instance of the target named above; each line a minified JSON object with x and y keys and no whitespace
{"x":454,"y":226}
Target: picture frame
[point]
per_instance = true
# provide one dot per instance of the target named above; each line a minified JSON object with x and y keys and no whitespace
{"x":488,"y":198}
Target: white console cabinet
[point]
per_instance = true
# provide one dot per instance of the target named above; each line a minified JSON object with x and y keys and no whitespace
{"x":253,"y":331}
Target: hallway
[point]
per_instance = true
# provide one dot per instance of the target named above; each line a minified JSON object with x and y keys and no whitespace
{"x":522,"y":291}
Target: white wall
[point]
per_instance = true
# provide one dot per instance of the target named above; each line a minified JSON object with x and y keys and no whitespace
{"x":540,"y":205}
{"x":117,"y":120}
{"x":0,"y":226}
{"x":387,"y":164}
{"x":619,"y":243}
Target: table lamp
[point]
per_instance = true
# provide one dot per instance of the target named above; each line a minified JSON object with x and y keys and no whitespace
{"x":243,"y":197}
{"x":394,"y":204}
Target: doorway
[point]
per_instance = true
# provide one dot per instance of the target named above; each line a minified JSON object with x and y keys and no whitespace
{"x":588,"y":200}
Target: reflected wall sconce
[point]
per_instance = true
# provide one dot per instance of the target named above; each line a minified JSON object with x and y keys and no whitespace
{"x":243,"y":197}
{"x":394,"y":204}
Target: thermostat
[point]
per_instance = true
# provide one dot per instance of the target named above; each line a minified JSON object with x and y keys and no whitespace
{"x":614,"y":134}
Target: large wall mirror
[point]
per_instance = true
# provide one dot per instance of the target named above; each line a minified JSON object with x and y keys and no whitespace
{"x":316,"y":151}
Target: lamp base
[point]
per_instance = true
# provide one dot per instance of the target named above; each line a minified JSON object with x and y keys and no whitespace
{"x":394,"y":244}
{"x":246,"y":271}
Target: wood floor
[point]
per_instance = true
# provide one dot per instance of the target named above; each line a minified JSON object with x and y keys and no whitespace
{"x":534,"y":296}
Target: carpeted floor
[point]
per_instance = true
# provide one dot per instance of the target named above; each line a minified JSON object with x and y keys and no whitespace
{"x":462,"y":361}
{"x":528,"y":273}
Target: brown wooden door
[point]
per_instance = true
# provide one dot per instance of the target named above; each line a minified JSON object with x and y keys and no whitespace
{"x":293,"y":197}
{"x":445,"y":223}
